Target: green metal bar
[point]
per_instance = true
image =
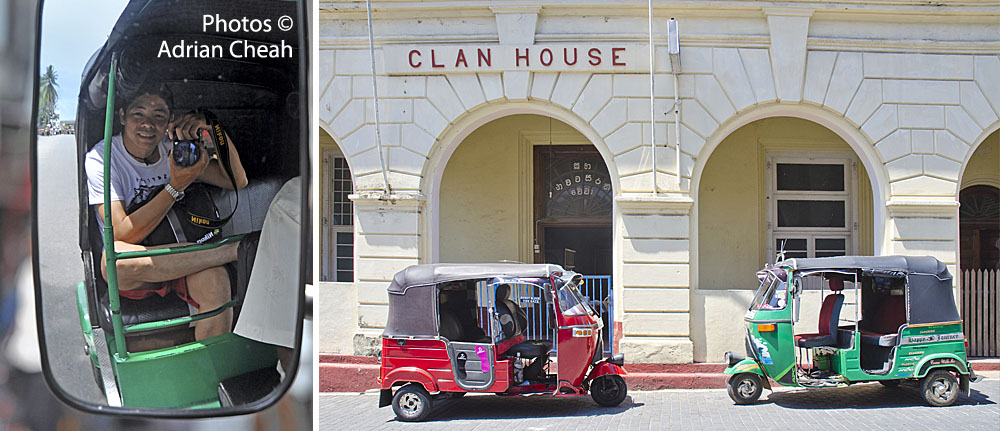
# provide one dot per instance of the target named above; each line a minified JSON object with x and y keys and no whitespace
{"x":178,"y":321}
{"x":109,"y":233}
{"x":181,"y":249}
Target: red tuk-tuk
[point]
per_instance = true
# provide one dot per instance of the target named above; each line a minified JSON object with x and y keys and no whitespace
{"x":458,"y":328}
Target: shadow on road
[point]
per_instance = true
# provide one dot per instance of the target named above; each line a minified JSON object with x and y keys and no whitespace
{"x":863,"y":396}
{"x":487,"y":407}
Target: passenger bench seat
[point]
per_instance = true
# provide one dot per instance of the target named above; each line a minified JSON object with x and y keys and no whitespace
{"x":890,"y":316}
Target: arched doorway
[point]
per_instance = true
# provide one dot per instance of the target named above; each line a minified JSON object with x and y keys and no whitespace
{"x":979,"y":247}
{"x":527,"y":188}
{"x":780,"y":183}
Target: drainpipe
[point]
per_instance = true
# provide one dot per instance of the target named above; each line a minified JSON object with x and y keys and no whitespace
{"x":378,"y":131}
{"x":652,"y":98}
{"x":674,"y":50}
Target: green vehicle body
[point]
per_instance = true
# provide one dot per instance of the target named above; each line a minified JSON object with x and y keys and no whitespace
{"x":183,"y":376}
{"x":918,"y":350}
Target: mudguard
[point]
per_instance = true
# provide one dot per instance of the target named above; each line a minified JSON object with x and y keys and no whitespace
{"x":940,"y":360}
{"x":410,"y":374}
{"x":747,"y":365}
{"x":604,"y":368}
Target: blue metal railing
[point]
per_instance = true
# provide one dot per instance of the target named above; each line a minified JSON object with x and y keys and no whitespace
{"x":541,"y":322}
{"x":598,"y":288}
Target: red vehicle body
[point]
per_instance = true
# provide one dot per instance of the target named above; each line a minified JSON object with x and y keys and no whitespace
{"x":452,"y":329}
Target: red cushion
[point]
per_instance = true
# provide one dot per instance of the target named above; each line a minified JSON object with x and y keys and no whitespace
{"x":825,"y":314}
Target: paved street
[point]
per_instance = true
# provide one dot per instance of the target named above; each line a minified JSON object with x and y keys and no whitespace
{"x":61,"y":266}
{"x":860,"y":407}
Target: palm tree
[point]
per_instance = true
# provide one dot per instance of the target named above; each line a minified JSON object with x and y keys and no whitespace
{"x":48,"y":95}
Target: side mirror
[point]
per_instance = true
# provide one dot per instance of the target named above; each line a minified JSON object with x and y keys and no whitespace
{"x":548,"y":296}
{"x":115,"y":336}
{"x":796,"y":308}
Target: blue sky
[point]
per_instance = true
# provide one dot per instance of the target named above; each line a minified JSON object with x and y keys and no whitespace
{"x":72,"y":30}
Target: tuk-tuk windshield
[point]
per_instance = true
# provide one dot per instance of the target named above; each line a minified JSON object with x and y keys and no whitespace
{"x":771,"y":294}
{"x":571,"y":302}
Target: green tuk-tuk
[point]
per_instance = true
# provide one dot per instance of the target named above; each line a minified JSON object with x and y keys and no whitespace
{"x":258,"y":100}
{"x":886,"y":319}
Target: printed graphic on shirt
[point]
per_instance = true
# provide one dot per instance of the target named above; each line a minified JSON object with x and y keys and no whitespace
{"x":146,"y":188}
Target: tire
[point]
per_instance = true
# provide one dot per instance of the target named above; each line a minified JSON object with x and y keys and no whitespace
{"x":608,"y":390}
{"x":890,"y":383}
{"x":744,"y":388}
{"x":939,"y":388}
{"x":411,"y":403}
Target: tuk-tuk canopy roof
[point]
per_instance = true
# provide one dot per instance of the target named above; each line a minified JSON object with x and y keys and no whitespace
{"x":929,"y":294}
{"x":432,"y":274}
{"x":904,"y":264}
{"x":413,"y":296}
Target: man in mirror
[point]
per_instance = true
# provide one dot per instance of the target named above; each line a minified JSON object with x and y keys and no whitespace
{"x":144,"y":175}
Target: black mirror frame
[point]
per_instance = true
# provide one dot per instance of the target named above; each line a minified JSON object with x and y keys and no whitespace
{"x":305,"y":260}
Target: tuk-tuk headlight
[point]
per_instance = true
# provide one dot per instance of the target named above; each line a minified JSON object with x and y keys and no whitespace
{"x":583,"y":332}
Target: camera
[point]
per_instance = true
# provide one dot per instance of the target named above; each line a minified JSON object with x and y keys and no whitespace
{"x":187,"y":153}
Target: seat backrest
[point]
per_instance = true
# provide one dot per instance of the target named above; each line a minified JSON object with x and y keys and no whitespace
{"x":829,"y":314}
{"x":507,"y":312}
{"x":450,"y":328}
{"x":891,"y":314}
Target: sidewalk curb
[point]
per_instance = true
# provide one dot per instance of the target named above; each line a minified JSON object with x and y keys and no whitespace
{"x":357,"y":374}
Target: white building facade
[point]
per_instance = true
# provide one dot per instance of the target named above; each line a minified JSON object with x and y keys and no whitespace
{"x":526,"y":131}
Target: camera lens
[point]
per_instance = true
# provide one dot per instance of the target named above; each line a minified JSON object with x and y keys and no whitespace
{"x":185,"y":153}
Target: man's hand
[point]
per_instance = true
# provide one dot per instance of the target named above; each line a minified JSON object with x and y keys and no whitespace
{"x":187,"y":126}
{"x":180,"y":177}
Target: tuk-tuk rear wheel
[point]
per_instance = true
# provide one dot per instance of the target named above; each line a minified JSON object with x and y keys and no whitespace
{"x":744,"y":388}
{"x":939,"y":388}
{"x":411,"y":403}
{"x":608,"y":390}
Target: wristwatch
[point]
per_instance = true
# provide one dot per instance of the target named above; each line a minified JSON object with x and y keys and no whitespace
{"x":177,"y":195}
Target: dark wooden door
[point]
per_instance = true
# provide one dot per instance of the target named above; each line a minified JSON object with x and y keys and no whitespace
{"x":572,"y":209}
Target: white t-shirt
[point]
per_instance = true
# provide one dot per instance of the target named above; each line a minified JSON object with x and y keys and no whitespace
{"x":132,"y":180}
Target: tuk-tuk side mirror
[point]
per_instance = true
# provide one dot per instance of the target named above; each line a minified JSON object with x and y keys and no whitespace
{"x":796,"y":295}
{"x":548,"y":296}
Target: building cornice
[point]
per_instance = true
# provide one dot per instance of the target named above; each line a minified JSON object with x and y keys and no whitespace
{"x":762,"y":42}
{"x":921,"y":208}
{"x":655,"y":204}
{"x":377,"y":200}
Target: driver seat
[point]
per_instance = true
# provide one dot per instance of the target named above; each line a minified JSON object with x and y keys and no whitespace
{"x":513,"y":322}
{"x":829,"y":315}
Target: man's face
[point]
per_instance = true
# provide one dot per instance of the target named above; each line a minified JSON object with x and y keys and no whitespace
{"x":145,"y":121}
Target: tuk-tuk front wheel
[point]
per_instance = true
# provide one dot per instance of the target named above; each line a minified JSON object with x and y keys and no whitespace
{"x":608,"y":390}
{"x":411,"y":403}
{"x":744,"y":388}
{"x":940,"y":388}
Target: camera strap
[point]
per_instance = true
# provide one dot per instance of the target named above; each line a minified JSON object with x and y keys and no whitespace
{"x":222,"y":148}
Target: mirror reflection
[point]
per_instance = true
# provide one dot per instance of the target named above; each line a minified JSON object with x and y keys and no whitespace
{"x":169,"y":210}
